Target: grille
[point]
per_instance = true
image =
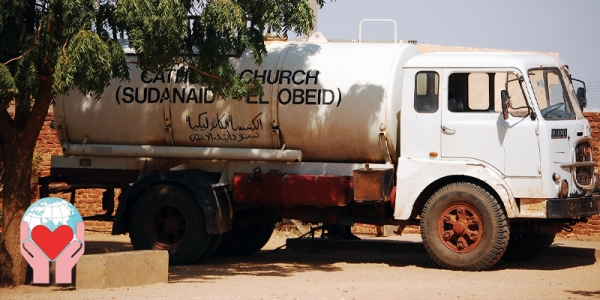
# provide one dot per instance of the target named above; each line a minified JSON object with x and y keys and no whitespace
{"x":583,"y":175}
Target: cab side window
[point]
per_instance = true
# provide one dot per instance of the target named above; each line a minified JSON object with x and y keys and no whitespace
{"x":427,"y":85}
{"x":471,"y":92}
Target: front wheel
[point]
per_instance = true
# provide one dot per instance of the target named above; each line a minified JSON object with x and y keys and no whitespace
{"x":463,"y":227}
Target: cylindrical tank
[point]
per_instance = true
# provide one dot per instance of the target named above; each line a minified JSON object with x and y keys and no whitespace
{"x":328,"y":100}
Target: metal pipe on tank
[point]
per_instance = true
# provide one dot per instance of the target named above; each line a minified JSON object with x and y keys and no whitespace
{"x":378,"y":20}
{"x":182,"y":152}
{"x":315,"y":8}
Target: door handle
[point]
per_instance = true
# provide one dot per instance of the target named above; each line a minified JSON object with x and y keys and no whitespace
{"x":448,"y":130}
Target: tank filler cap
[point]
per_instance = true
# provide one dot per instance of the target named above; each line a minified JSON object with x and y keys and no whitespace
{"x":317,"y":37}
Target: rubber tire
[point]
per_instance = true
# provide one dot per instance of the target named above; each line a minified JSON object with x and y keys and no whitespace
{"x":257,"y":244}
{"x":245,"y":241}
{"x":495,"y":232}
{"x":195,"y":240}
{"x":215,"y":242}
{"x":527,"y":246}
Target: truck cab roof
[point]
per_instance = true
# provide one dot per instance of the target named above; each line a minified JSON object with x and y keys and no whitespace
{"x":480,"y":59}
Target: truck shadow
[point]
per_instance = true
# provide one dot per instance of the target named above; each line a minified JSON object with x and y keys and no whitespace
{"x":99,"y":247}
{"x":101,"y":241}
{"x":287,"y":263}
{"x":331,"y":258}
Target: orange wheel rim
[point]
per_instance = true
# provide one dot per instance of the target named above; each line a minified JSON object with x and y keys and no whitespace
{"x":460,"y":228}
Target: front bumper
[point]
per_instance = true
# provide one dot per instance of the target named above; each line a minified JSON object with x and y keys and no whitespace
{"x":573,"y":207}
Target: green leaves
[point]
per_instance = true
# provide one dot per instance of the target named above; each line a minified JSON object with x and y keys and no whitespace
{"x":226,"y":28}
{"x":154,"y":29}
{"x":7,"y":86}
{"x":75,"y":42}
{"x":88,"y":63}
{"x":76,"y":15}
{"x":225,"y":16}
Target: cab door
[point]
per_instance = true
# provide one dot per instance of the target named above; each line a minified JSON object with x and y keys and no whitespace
{"x":522,"y":146}
{"x":471,"y":127}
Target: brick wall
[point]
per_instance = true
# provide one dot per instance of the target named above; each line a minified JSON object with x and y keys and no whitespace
{"x":89,"y":202}
{"x":594,"y":119}
{"x":592,"y":228}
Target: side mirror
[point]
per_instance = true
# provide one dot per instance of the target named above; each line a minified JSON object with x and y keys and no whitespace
{"x":533,"y":116}
{"x":581,"y":97}
{"x":505,"y":103}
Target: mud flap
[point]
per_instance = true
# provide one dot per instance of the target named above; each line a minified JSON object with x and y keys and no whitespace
{"x":216,"y":207}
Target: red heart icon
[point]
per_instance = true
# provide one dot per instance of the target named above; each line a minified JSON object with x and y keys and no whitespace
{"x":52,"y":243}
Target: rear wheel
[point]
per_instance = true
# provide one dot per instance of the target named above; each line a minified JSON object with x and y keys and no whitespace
{"x":215,"y":242}
{"x":259,"y":243}
{"x":167,"y":217}
{"x":246,"y":241}
{"x":527,"y":246}
{"x":464,"y":227}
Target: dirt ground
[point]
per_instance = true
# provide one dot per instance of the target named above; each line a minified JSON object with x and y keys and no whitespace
{"x":310,"y":274}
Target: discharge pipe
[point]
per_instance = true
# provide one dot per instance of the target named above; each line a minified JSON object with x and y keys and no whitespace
{"x":182,"y":152}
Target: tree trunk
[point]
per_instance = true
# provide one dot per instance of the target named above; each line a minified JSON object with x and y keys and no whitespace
{"x":17,"y":143}
{"x":17,"y":197}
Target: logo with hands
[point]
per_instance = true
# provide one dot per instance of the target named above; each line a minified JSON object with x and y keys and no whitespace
{"x":52,"y":230}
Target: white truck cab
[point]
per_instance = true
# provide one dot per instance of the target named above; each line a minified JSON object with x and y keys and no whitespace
{"x":541,"y":150}
{"x":508,"y":123}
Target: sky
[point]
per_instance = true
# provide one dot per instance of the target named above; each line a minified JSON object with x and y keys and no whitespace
{"x":569,"y":27}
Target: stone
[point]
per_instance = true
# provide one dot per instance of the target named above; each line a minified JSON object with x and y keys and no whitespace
{"x":122,"y":269}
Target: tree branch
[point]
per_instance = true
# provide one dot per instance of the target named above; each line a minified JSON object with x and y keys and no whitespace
{"x":64,"y":49}
{"x":21,"y":56}
{"x":39,"y":110}
{"x":200,"y":71}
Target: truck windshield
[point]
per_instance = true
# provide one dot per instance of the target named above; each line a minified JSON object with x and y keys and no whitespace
{"x":553,"y":93}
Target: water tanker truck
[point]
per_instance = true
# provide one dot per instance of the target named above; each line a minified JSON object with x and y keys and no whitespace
{"x":489,"y":153}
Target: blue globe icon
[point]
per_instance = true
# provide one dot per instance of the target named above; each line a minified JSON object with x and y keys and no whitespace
{"x":52,"y":212}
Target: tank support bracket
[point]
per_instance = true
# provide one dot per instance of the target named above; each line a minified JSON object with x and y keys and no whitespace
{"x":387,"y":148}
